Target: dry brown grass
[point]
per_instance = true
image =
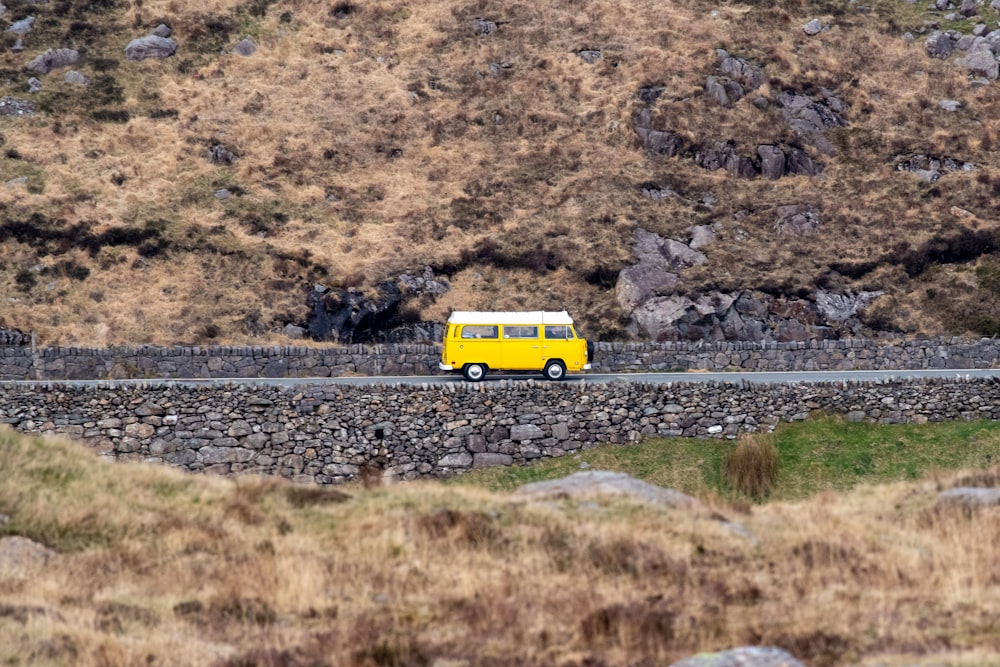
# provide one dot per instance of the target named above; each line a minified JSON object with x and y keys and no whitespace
{"x":752,"y":467}
{"x":541,"y":158}
{"x":153,"y":566}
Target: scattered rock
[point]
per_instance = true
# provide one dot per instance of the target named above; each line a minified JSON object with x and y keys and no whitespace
{"x":589,"y":56}
{"x":17,"y":552}
{"x":939,"y":45}
{"x":246,"y":47}
{"x":162,"y":30}
{"x":34,"y":85}
{"x":76,"y":78}
{"x":701,"y":236}
{"x":930,"y":168}
{"x":484,"y":27}
{"x":294,"y":332}
{"x":501,"y":69}
{"x":219,"y":154}
{"x":150,"y":46}
{"x":12,"y":106}
{"x":222,"y":193}
{"x":814,"y":27}
{"x":590,"y":483}
{"x":982,"y":62}
{"x":22,"y":27}
{"x":842,"y":307}
{"x":649,"y":94}
{"x":748,"y":656}
{"x":796,"y":220}
{"x":723,"y":90}
{"x":656,"y":192}
{"x":425,"y":283}
{"x":965,"y":42}
{"x":950,"y":105}
{"x":970,"y":497}
{"x":52,"y":59}
{"x":969,"y":8}
{"x":750,"y":75}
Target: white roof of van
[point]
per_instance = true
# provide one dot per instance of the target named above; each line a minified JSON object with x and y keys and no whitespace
{"x":532,"y":317}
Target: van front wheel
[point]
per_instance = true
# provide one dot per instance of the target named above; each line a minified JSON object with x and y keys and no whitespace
{"x":474,"y":372}
{"x":555,"y":370}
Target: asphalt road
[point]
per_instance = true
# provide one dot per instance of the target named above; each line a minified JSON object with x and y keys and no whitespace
{"x":789,"y":377}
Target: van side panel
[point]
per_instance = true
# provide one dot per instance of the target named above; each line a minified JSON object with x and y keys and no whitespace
{"x":521,"y":348}
{"x":475,"y":344}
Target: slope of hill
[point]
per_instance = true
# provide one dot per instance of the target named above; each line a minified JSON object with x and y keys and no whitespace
{"x":789,"y":170}
{"x":125,"y":564}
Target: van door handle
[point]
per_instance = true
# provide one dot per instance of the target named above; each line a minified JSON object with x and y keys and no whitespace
{"x":534,"y":347}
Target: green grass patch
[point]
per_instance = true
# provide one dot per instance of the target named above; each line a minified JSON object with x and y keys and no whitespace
{"x":827,"y":454}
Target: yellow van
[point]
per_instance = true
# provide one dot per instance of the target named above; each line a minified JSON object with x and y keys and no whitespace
{"x":476,"y":342}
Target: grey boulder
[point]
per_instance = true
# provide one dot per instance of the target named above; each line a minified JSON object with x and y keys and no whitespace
{"x":150,"y":46}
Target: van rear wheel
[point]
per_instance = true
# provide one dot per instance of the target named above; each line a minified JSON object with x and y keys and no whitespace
{"x":555,"y":370}
{"x":474,"y":372}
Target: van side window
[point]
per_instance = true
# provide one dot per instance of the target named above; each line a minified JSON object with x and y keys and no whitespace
{"x":557,"y":332}
{"x":479,"y":331}
{"x":520,"y":332}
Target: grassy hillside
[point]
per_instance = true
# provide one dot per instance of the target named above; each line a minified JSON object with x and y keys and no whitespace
{"x":375,"y":138}
{"x":149,"y":566}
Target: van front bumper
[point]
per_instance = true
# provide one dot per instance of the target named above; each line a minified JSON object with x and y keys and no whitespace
{"x":445,"y":367}
{"x":586,"y":367}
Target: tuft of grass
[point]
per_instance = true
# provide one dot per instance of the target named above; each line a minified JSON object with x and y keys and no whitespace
{"x":752,"y":468}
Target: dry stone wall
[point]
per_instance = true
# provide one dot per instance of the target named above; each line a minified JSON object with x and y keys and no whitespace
{"x":333,"y":433}
{"x":22,"y":363}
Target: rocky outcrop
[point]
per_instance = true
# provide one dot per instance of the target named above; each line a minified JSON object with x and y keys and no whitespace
{"x":929,"y":168}
{"x":809,"y":118}
{"x":659,"y":260}
{"x":657,"y":142}
{"x":13,"y":337}
{"x":843,"y":307}
{"x":796,"y":220}
{"x":749,"y":315}
{"x":738,"y":77}
{"x":646,"y":294}
{"x":349,"y":316}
